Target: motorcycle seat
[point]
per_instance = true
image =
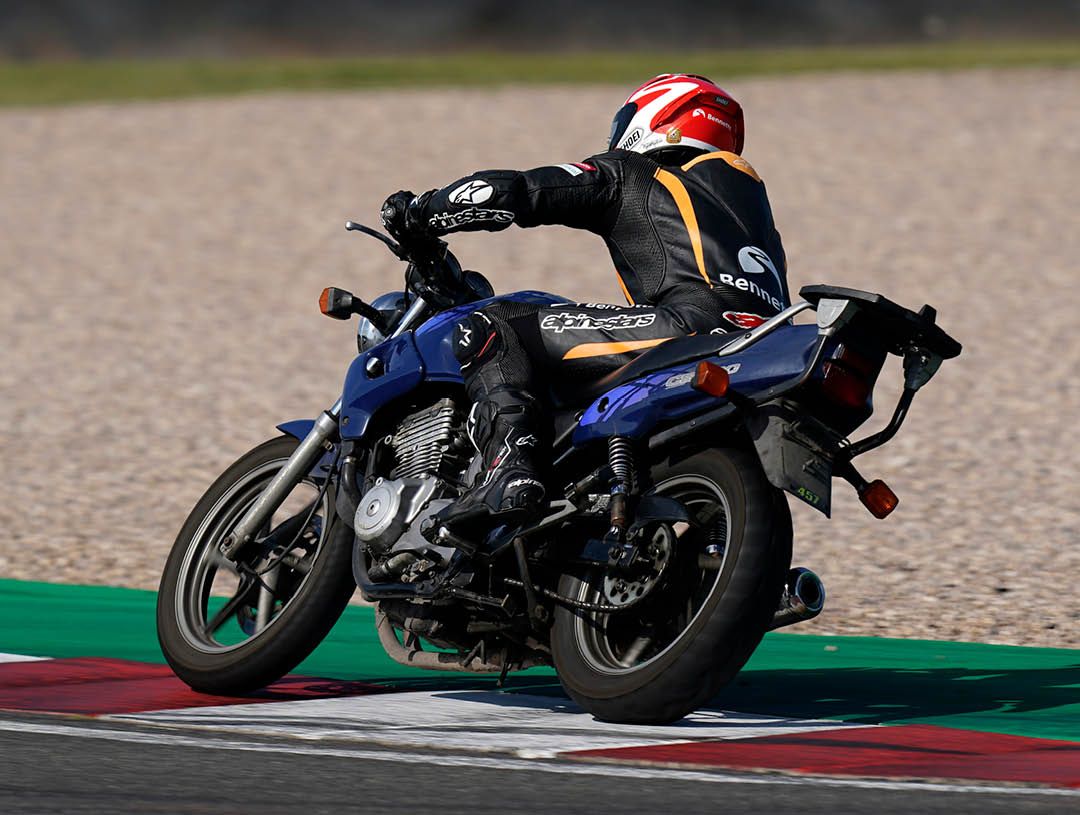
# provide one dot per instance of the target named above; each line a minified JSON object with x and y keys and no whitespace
{"x":666,"y":355}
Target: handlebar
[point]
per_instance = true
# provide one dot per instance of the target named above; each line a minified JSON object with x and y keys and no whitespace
{"x":433,"y":274}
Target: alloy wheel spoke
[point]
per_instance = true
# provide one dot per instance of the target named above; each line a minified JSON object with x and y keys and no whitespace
{"x":244,"y":591}
{"x":219,"y":561}
{"x":636,"y":649}
{"x":705,"y":518}
{"x":266,"y":599}
{"x":288,"y":531}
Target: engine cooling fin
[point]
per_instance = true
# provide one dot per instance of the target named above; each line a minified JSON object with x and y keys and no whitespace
{"x":432,"y":441}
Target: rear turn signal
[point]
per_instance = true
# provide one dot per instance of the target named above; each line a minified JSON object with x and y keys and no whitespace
{"x":878,"y":498}
{"x":711,"y":379}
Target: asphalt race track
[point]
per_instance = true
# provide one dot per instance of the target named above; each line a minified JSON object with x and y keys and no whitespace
{"x":75,"y":767}
{"x":92,"y":721}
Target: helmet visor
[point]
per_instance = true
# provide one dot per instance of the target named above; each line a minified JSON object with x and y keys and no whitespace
{"x":620,"y":123}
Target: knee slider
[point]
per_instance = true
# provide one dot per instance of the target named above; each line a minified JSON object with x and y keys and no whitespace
{"x":476,"y":338}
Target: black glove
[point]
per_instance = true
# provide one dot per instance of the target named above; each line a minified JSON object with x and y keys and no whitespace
{"x":400,"y":215}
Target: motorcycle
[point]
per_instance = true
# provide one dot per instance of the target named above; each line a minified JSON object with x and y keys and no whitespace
{"x":660,"y":560}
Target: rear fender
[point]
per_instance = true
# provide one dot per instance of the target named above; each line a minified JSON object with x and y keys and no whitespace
{"x":796,"y":452}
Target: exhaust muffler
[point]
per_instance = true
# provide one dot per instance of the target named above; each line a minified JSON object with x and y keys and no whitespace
{"x":803,"y":598}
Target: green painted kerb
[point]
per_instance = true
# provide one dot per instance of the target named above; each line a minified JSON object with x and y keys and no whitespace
{"x":994,"y":688}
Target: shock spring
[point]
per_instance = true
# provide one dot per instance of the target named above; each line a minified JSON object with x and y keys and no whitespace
{"x":621,"y":461}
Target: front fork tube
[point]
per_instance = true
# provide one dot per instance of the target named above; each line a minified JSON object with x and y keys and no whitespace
{"x":299,"y":465}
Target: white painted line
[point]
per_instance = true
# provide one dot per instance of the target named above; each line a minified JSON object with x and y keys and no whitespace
{"x":516,"y":764}
{"x":528,"y":726}
{"x":20,"y":658}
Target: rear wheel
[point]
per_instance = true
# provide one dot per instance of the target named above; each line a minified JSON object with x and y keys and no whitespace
{"x":709,"y":603}
{"x":229,"y":627}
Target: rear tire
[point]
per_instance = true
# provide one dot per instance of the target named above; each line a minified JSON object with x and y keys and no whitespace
{"x":721,"y":632}
{"x":314,"y":603}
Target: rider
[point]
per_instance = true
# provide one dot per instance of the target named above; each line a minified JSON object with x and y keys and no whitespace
{"x":690,"y":232}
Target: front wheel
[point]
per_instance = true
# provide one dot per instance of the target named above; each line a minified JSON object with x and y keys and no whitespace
{"x":712,"y":598}
{"x":231,"y":628}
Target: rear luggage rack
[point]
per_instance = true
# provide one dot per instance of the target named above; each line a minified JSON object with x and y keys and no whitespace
{"x":901,"y":328}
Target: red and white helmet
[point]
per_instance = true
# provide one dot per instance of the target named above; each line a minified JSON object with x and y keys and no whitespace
{"x":675,"y":111}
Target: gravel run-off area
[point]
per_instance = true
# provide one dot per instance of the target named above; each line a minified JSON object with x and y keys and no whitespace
{"x":160,"y":264}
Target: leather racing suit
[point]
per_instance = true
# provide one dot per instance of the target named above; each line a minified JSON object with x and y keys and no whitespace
{"x":695,"y":249}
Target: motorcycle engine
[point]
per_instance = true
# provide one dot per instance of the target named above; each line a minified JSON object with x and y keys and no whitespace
{"x":431,"y":453}
{"x":432,"y":442}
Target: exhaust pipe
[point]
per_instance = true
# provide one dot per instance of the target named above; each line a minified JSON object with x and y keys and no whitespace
{"x":441,"y":660}
{"x":803,"y":598}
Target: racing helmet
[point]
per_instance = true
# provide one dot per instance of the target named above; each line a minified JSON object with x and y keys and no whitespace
{"x":676,"y":115}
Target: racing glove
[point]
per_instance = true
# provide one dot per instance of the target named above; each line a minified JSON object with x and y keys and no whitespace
{"x":400,"y":215}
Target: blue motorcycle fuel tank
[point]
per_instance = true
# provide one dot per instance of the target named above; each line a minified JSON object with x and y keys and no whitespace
{"x":404,"y":362}
{"x":435,"y":337}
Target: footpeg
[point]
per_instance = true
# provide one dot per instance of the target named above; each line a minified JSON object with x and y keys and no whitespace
{"x":444,"y":537}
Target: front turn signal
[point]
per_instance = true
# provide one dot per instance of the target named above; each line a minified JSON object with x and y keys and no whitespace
{"x":712,"y":379}
{"x":336,"y":303}
{"x":878,"y":498}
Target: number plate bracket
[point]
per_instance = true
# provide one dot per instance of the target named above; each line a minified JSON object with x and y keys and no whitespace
{"x":796,"y":452}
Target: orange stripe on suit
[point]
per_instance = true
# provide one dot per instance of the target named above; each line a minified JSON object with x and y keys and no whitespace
{"x":686,"y":210}
{"x":603,"y":349}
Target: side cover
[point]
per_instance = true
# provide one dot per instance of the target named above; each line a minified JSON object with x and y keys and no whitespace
{"x":641,"y":406}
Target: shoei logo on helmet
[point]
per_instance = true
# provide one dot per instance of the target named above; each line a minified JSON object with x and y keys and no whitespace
{"x":632,"y":138}
{"x":472,"y":192}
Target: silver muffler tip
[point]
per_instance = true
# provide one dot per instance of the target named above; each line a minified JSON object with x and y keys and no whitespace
{"x":803,"y":598}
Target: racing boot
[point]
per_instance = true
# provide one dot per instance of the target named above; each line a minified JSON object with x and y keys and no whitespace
{"x":506,"y":490}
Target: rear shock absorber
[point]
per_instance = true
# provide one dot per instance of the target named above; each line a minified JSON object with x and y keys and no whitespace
{"x":621,"y":462}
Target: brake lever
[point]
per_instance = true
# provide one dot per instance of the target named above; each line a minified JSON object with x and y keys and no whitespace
{"x":394,"y":247}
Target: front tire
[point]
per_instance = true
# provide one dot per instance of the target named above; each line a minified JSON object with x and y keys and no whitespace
{"x":699,"y":625}
{"x":271,"y":632}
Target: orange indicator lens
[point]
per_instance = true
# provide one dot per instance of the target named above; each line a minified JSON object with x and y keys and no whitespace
{"x":711,"y":379}
{"x":878,"y":498}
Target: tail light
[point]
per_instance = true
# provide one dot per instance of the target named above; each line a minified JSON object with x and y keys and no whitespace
{"x":848,"y":378}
